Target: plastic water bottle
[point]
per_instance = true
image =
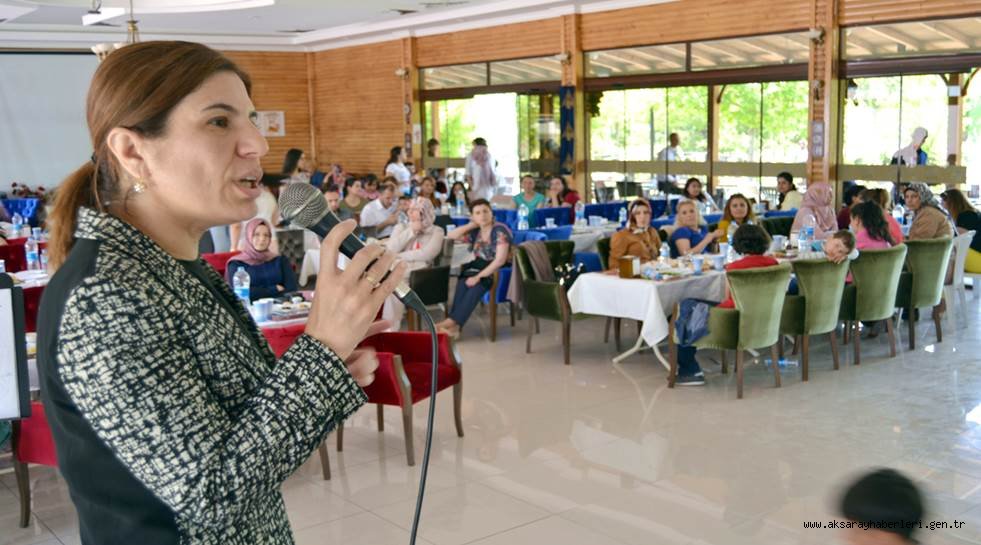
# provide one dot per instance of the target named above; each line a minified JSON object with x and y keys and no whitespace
{"x":665,"y":254}
{"x":459,"y":203}
{"x":240,"y":284}
{"x":623,"y":216}
{"x":580,"y":213}
{"x":17,"y":221}
{"x":31,"y":253}
{"x":44,"y":259}
{"x":38,"y":234}
{"x":522,"y":218}
{"x":731,"y":232}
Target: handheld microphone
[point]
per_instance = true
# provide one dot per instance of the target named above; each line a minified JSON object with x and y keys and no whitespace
{"x":303,"y":204}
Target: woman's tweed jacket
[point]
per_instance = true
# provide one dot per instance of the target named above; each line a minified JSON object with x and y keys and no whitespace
{"x":160,"y":402}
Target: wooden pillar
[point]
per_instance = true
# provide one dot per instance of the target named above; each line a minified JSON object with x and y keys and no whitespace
{"x":411,"y":109}
{"x":714,"y":96}
{"x":311,"y":86}
{"x":572,"y":75}
{"x":955,"y":120}
{"x":824,"y":97}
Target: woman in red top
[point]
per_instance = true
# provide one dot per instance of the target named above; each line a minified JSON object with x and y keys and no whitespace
{"x":749,"y":240}
{"x":559,"y":193}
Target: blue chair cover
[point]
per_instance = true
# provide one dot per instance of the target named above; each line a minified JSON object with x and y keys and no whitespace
{"x":504,"y":280}
{"x":562,"y":215}
{"x":781,"y":213}
{"x":458,"y":221}
{"x":589,"y":260}
{"x":523,"y":236}
{"x":558,"y":233}
{"x":507,"y":217}
{"x":713,"y":218}
{"x":27,"y":208}
{"x":608,"y":210}
{"x":657,"y":224}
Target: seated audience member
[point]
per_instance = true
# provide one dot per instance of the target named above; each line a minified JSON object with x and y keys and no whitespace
{"x":693,"y":191}
{"x":966,"y":218}
{"x":418,"y":243}
{"x":267,"y":208}
{"x":881,"y":197}
{"x":870,"y":227}
{"x":459,"y":196}
{"x":837,"y":248}
{"x":560,"y":195}
{"x":333,"y":197}
{"x":490,"y":246}
{"x":752,"y":242}
{"x":382,"y":214}
{"x":738,"y":212}
{"x":354,"y":199}
{"x":688,"y":236}
{"x":853,"y":194}
{"x":790,"y":198}
{"x":638,"y":238}
{"x":530,"y":198}
{"x":270,"y":274}
{"x":887,"y":507}
{"x":929,"y":221}
{"x":371,"y":186}
{"x":816,"y":210}
{"x":427,"y":190}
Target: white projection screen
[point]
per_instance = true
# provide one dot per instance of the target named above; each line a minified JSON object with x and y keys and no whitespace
{"x":43,"y":136}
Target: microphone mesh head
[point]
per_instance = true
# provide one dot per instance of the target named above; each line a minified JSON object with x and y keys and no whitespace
{"x":301,"y":204}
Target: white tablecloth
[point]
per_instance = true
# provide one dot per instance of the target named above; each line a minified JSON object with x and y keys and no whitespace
{"x":586,"y":239}
{"x":645,"y":300}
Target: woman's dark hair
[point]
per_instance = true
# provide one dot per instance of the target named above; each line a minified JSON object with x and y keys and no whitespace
{"x":292,"y":161}
{"x":701,"y":194}
{"x":790,"y":180}
{"x":430,"y":145}
{"x":751,"y":239}
{"x":136,"y":87}
{"x":478,"y":202}
{"x":348,"y":183}
{"x":884,"y":496}
{"x":956,"y":203}
{"x":273,"y":182}
{"x":479,"y":141}
{"x":565,"y":186}
{"x":393,"y":156}
{"x":853,"y":191}
{"x":466,"y":195}
{"x":727,"y":213}
{"x":873,"y":219}
{"x":424,"y":179}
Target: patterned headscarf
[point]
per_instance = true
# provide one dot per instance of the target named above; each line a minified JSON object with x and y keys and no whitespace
{"x":927,"y":198}
{"x":426,"y":211}
{"x":249,"y":254}
{"x":817,"y":200}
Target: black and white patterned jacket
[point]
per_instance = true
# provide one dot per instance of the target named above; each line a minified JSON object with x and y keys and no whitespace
{"x":173,"y":422}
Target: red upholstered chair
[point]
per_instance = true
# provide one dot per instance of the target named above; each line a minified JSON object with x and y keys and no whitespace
{"x":32,"y":300}
{"x":281,"y":338}
{"x":219,"y":261}
{"x":13,"y":257}
{"x":406,"y":378}
{"x":32,"y":444}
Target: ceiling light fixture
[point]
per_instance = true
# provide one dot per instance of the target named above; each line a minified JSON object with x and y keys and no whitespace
{"x":132,"y":36}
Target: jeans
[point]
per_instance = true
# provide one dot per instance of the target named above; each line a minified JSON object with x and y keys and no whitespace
{"x":465,"y":300}
{"x":692,"y":325}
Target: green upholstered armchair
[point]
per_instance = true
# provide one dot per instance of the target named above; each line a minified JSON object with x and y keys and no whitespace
{"x":754,"y":323}
{"x":815,"y":310}
{"x":922,"y":284}
{"x":547,"y":300}
{"x":872,"y":295}
{"x":778,"y":225}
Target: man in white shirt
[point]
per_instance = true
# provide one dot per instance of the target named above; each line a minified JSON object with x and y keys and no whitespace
{"x":382,"y":213}
{"x":671,"y":152}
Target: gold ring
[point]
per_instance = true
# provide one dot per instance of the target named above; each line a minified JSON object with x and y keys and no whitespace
{"x":374,"y":283}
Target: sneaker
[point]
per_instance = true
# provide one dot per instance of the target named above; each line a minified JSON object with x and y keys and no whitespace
{"x":690,"y":380}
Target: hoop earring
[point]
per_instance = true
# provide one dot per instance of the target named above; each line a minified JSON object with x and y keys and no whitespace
{"x":139,"y":186}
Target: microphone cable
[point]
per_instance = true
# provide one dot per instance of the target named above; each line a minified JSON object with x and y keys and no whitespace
{"x":416,"y":304}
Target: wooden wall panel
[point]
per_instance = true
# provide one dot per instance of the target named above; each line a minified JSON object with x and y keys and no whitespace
{"x":531,"y":39}
{"x":358,"y":105}
{"x":854,"y":12}
{"x":279,"y":82}
{"x":692,"y":20}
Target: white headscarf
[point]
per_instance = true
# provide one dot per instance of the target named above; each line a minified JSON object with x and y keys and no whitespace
{"x":908,"y":155}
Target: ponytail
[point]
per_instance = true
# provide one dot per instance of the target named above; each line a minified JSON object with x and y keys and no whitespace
{"x":77,"y":191}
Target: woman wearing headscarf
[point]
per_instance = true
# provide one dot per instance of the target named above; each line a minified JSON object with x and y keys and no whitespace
{"x":417,"y":243}
{"x":929,"y":220}
{"x":816,"y":210}
{"x":638,"y":239}
{"x":270,"y":274}
{"x":480,"y":171}
{"x":913,"y":154}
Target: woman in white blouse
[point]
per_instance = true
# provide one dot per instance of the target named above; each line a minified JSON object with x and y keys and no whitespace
{"x":395,"y":167}
{"x":417,"y":243}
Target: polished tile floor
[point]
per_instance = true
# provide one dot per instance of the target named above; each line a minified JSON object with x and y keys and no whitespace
{"x":597,"y":453}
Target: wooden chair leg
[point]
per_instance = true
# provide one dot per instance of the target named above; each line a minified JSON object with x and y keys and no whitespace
{"x":846,"y":332}
{"x":24,"y":490}
{"x":606,"y":331}
{"x":493,"y":318}
{"x":538,"y":329}
{"x":776,"y":362}
{"x":410,"y":452}
{"x":381,"y":417}
{"x":856,"y":341}
{"x":511,"y":312}
{"x":911,"y":320}
{"x":804,"y":347}
{"x":892,"y":338}
{"x":780,"y":346}
{"x":324,"y":460}
{"x":833,"y":339}
{"x":566,"y":340}
{"x":458,"y":407}
{"x":937,"y":315}
{"x":725,"y":362}
{"x":796,"y":345}
{"x":739,"y":374}
{"x":616,"y":333}
{"x":672,"y":350}
{"x":340,"y":437}
{"x":531,"y":332}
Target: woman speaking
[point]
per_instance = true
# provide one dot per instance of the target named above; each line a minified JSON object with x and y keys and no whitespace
{"x":173,"y":421}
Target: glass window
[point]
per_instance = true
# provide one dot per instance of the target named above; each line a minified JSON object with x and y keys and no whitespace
{"x":971,"y":146}
{"x":948,"y":36}
{"x":451,"y":77}
{"x":656,"y":59}
{"x":525,"y":70}
{"x":539,"y":135}
{"x":753,"y":51}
